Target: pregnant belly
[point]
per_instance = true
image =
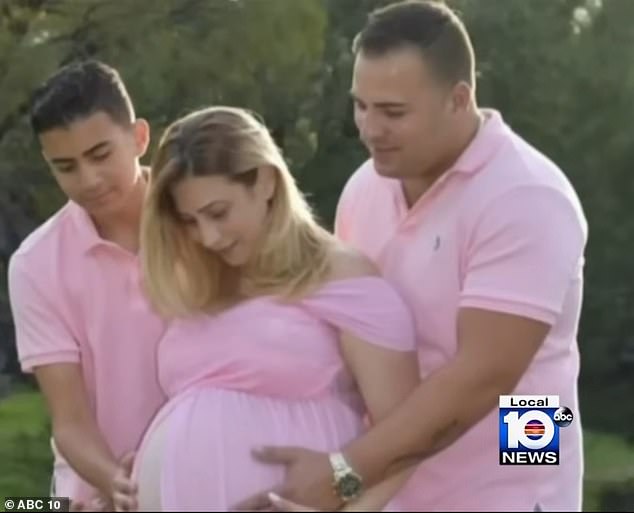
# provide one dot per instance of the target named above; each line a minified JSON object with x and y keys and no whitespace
{"x":197,"y":454}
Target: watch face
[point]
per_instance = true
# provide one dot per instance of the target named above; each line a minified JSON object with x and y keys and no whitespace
{"x":349,"y":486}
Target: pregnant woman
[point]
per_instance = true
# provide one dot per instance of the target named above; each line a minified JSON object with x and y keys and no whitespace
{"x":279,"y":335}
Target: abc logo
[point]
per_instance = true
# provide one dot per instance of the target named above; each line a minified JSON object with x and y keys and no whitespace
{"x":535,"y":429}
{"x":563,"y":417}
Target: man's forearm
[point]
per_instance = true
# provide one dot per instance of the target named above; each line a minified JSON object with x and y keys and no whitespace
{"x":437,"y":413}
{"x":378,"y":496}
{"x":86,"y":452}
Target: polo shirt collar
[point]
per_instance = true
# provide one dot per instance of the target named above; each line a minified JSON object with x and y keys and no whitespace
{"x":490,"y":136}
{"x":87,"y":236}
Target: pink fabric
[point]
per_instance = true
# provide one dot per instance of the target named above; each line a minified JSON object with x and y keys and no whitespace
{"x":502,"y":230}
{"x":261,"y":373}
{"x":76,"y":298}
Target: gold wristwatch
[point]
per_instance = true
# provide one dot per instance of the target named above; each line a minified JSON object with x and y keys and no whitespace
{"x":346,"y":483}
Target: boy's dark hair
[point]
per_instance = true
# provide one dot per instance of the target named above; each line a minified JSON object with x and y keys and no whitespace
{"x":429,"y":26}
{"x":78,"y":90}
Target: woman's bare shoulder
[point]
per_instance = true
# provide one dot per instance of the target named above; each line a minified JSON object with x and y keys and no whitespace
{"x":347,"y":262}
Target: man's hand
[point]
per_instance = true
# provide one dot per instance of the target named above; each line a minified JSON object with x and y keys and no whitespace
{"x":308,"y":482}
{"x":280,"y":504}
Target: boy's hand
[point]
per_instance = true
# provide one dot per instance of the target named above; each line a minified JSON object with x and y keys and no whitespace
{"x":123,"y":489}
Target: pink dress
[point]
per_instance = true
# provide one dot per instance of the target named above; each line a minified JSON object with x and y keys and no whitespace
{"x":262,"y":373}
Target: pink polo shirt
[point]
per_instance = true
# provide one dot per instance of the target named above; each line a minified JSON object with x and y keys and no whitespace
{"x":502,"y":230}
{"x":77,"y":298}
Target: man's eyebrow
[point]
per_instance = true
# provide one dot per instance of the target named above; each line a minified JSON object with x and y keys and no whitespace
{"x":382,"y":105}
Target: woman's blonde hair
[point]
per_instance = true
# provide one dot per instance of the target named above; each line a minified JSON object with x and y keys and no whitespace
{"x":181,"y":276}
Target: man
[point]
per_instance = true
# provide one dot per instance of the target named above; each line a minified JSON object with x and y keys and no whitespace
{"x":82,"y":324}
{"x":485,"y":237}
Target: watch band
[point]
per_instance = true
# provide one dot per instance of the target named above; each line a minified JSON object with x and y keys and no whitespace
{"x":339,"y":463}
{"x":346,"y":482}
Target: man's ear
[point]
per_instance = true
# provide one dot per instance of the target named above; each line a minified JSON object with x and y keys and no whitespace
{"x":461,"y":97}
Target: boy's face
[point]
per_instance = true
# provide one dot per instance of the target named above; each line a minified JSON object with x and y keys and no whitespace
{"x":94,"y":161}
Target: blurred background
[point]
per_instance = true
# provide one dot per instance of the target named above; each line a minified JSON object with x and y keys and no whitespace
{"x":560,"y":71}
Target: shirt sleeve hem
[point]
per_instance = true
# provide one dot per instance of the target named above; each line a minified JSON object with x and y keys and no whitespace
{"x":514,"y":306}
{"x":28,"y":363}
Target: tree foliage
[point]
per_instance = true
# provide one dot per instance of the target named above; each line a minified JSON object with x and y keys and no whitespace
{"x":560,"y":71}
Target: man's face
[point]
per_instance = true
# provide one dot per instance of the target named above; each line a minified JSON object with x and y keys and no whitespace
{"x":94,"y":160}
{"x":403,"y":113}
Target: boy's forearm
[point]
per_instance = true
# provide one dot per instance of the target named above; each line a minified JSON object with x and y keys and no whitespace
{"x":88,"y":455}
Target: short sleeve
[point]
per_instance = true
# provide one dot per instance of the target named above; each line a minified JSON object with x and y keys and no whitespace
{"x":524,"y":253}
{"x":42,"y":336}
{"x":369,"y":308}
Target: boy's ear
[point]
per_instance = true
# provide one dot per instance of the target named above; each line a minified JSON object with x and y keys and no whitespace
{"x":142,"y":136}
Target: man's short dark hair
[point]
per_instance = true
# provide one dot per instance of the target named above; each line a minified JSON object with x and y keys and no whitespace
{"x":79,"y":90}
{"x":429,"y":26}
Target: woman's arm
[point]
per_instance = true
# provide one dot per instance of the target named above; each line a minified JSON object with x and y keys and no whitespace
{"x":385,"y":379}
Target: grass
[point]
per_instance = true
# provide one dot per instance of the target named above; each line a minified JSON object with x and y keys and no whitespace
{"x":24,"y":446}
{"x":609,"y":463}
{"x":26,"y":460}
{"x":611,"y":458}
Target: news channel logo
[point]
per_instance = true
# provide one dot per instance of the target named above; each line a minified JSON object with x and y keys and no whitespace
{"x":529,"y":429}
